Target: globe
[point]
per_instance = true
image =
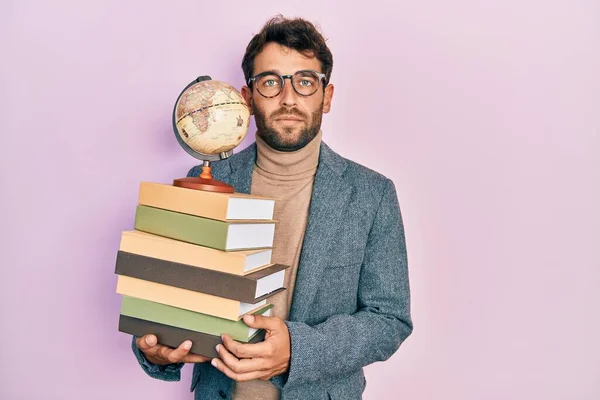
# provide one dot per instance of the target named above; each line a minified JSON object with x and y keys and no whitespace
{"x":210,"y":119}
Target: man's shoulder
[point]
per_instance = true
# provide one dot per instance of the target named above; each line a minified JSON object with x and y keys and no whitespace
{"x":358,"y":175}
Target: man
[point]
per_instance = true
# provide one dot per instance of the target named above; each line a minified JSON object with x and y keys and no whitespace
{"x":347,"y":302}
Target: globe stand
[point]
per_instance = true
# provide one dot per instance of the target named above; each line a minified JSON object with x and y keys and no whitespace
{"x":204,"y":182}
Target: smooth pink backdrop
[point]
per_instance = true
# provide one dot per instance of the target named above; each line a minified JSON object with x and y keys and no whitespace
{"x":484,"y":113}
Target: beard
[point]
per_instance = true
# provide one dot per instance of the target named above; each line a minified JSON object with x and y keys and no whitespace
{"x":284,"y":139}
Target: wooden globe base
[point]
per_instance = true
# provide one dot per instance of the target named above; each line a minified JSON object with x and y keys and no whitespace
{"x":209,"y":185}
{"x":204,"y":182}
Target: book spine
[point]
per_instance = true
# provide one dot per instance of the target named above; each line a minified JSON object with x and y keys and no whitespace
{"x":184,"y":227}
{"x":202,"y":343}
{"x":188,"y":277}
{"x":182,"y":200}
{"x":155,"y":246}
{"x":180,"y":318}
{"x":182,"y":298}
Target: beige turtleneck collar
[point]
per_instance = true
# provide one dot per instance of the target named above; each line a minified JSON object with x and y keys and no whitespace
{"x":285,"y":166}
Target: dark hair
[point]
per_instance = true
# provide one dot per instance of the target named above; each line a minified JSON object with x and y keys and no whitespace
{"x":297,"y":34}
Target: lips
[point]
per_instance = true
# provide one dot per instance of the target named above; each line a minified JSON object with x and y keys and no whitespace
{"x":288,"y":118}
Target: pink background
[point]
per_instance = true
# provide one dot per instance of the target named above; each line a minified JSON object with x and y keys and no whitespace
{"x":486,"y":114}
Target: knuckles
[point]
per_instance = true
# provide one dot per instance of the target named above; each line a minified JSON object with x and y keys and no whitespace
{"x":163,"y":352}
{"x":235,"y":368}
{"x":239,"y":352}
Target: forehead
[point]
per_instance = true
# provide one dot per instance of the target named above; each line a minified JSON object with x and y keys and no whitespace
{"x":275,"y":57}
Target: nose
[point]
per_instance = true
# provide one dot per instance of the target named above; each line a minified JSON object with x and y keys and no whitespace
{"x":288,"y":95}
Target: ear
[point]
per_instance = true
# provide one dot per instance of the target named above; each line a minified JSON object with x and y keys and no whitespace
{"x":327,"y":99}
{"x":247,"y":94}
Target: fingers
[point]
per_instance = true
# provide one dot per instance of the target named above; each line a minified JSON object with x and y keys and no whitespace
{"x":146,"y":342}
{"x":240,"y":366}
{"x":161,"y":354}
{"x":247,"y":361}
{"x":175,"y":355}
{"x":262,"y":322}
{"x":218,"y":364}
{"x":238,"y":370}
{"x":194,"y":358}
{"x":247,"y":350}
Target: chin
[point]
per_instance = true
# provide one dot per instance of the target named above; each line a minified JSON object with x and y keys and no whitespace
{"x":285,"y":142}
{"x":286,"y":138}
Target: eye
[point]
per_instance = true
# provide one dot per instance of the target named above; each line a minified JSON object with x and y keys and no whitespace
{"x":306,"y":79}
{"x":269,"y":81}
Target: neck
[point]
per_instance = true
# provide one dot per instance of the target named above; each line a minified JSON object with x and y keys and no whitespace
{"x":290,"y":163}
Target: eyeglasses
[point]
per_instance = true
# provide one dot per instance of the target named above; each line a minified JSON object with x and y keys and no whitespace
{"x":269,"y":84}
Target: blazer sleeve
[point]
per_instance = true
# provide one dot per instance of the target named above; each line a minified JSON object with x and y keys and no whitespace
{"x":343,"y":344}
{"x":170,"y":372}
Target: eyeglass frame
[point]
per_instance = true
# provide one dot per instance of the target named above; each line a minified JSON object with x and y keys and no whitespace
{"x":322,"y":77}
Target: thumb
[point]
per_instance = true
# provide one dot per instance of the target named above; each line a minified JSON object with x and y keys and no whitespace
{"x":146,"y":342}
{"x":262,"y":322}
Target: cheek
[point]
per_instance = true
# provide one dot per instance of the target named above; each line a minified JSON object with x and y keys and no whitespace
{"x":265,"y":110}
{"x":315,"y":105}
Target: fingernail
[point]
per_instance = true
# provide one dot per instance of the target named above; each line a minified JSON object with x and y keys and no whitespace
{"x":187,"y":345}
{"x":214,"y":362}
{"x":217,"y":348}
{"x":249,"y":318}
{"x":151,"y":340}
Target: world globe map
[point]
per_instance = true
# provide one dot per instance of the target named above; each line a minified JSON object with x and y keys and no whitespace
{"x":211,"y":117}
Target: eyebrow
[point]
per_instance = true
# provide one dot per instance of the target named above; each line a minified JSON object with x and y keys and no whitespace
{"x":269,"y":70}
{"x":277,"y":71}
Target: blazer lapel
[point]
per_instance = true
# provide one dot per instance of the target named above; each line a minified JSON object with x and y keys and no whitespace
{"x":329,"y":200}
{"x":242,"y":166}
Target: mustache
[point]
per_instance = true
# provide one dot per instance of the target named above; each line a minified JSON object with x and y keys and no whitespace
{"x":288,"y":111}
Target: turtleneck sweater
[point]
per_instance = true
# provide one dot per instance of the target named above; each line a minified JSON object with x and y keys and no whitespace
{"x":288,"y":177}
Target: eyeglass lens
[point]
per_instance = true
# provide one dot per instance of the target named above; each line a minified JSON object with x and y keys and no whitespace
{"x":304,"y":82}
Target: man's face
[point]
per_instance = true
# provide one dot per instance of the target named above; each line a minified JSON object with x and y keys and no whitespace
{"x":288,"y":121}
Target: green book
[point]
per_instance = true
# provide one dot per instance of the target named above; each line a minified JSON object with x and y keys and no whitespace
{"x":190,"y":320}
{"x":220,"y":235}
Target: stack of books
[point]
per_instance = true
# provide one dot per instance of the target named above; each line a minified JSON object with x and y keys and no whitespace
{"x":195,"y":264}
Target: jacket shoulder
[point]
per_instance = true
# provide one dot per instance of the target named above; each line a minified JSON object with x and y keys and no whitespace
{"x":363,"y":179}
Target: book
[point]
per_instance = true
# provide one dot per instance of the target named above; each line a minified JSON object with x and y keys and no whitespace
{"x":193,"y":321}
{"x":235,"y":262}
{"x":249,"y":288}
{"x":213,"y":205}
{"x":187,"y":299}
{"x":202,"y":344}
{"x":221,"y":235}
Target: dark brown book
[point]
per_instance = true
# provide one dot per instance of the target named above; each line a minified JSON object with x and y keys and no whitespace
{"x":202,"y":343}
{"x":250,"y":288}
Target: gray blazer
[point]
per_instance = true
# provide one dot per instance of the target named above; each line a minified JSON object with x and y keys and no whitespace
{"x":351,"y":304}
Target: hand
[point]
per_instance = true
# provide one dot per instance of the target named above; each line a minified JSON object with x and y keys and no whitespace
{"x":163,"y":355}
{"x":246,"y":361}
